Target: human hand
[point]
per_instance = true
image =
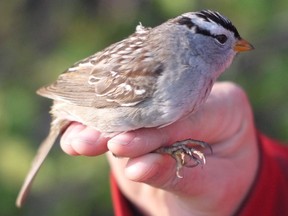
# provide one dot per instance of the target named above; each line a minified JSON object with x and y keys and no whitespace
{"x":225,"y":121}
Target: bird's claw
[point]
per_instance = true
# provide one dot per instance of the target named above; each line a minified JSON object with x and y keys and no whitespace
{"x":183,"y":149}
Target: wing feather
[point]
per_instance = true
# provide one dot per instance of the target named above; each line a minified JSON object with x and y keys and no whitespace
{"x":124,"y":74}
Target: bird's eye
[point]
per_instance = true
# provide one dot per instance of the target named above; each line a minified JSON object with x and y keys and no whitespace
{"x":221,"y":38}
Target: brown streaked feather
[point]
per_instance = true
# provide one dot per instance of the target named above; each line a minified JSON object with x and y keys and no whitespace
{"x":71,"y":88}
{"x":121,"y":75}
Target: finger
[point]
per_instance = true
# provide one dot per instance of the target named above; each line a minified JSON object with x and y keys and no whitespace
{"x":135,"y":143}
{"x":150,"y":168}
{"x":65,"y":141}
{"x":158,"y":171}
{"x":81,"y":140}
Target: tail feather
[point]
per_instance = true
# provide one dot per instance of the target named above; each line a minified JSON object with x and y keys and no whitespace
{"x":42,"y":153}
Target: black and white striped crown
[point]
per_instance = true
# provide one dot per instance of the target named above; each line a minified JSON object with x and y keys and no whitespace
{"x":209,"y":16}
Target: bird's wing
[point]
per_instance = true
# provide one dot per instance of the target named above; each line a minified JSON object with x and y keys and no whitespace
{"x":124,"y":74}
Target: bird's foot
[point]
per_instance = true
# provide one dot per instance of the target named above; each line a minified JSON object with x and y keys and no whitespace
{"x":184,"y":151}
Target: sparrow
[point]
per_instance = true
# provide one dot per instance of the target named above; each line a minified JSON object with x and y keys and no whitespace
{"x":151,"y":79}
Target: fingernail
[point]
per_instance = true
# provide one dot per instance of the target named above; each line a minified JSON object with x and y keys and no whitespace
{"x":87,"y":135}
{"x":122,"y":139}
{"x":69,"y":133}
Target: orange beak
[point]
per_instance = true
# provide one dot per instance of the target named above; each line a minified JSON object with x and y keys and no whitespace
{"x":242,"y":45}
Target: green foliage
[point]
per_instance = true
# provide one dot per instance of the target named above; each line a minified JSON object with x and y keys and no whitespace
{"x":40,"y":39}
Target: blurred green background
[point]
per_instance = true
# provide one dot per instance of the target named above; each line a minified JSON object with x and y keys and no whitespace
{"x":41,"y":38}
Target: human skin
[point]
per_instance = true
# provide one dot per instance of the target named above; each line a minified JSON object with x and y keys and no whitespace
{"x":149,"y":180}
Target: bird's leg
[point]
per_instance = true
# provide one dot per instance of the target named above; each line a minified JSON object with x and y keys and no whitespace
{"x":183,"y":150}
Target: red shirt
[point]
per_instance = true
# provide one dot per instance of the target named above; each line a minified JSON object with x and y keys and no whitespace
{"x":267,"y":197}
